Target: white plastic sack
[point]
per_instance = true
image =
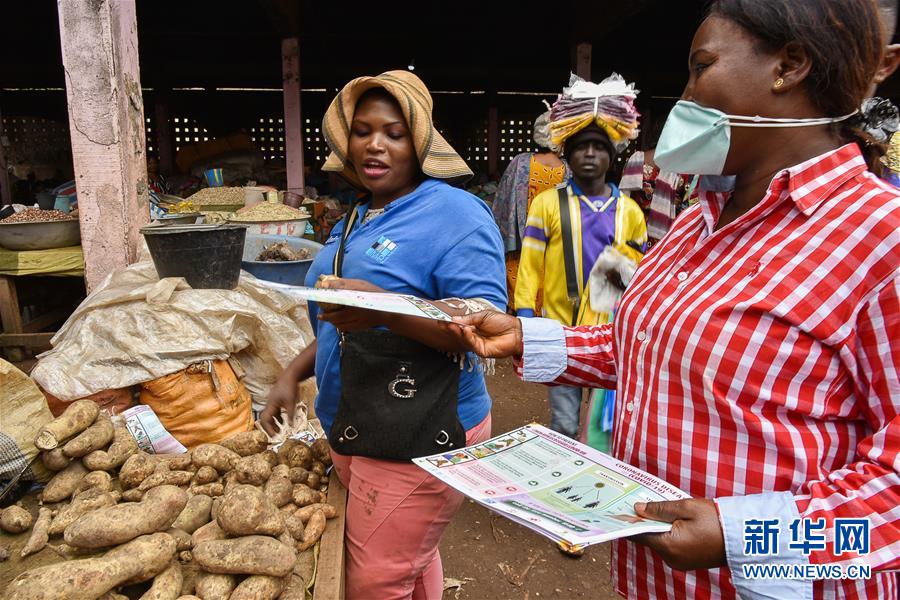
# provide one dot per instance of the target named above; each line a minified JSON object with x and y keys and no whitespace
{"x":135,"y":327}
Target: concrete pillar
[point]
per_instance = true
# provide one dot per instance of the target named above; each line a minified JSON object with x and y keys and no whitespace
{"x":165,"y":141}
{"x":106,"y":121}
{"x":5,"y":192}
{"x":293,"y":117}
{"x":583,"y":60}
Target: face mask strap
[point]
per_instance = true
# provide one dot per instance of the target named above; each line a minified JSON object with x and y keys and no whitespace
{"x":757,"y":121}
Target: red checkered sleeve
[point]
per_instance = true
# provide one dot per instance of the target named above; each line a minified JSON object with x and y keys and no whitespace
{"x":591,"y":357}
{"x":583,"y":356}
{"x":870,"y":487}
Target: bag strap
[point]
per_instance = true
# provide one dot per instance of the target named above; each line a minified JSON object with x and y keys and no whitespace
{"x":565,"y":221}
{"x":348,"y":225}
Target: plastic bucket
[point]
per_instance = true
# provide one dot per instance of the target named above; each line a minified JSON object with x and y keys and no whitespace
{"x":45,"y":200}
{"x":207,"y":256}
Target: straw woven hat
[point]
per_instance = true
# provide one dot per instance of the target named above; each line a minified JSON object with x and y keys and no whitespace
{"x":436,"y":157}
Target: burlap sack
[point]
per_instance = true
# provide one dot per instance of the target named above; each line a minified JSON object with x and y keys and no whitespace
{"x":23,"y":411}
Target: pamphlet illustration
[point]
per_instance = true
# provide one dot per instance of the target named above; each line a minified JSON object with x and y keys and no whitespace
{"x":554,"y":485}
{"x":402,"y":304}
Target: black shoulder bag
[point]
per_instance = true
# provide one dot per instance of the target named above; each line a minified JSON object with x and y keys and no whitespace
{"x":565,"y":223}
{"x":398,"y":397}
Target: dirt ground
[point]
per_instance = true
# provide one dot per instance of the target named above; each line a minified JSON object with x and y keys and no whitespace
{"x":487,"y":557}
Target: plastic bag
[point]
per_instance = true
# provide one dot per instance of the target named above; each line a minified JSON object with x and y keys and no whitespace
{"x":149,"y":433}
{"x":135,"y":328}
{"x":204,"y":403}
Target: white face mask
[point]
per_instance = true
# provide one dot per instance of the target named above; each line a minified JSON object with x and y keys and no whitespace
{"x":695,"y":139}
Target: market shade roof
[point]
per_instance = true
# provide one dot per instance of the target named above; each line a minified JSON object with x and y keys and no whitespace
{"x":463,"y":45}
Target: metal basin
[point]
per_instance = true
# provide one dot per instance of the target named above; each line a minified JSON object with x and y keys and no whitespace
{"x":40,"y":235}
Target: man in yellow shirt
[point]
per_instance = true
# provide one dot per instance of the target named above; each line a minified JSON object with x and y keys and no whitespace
{"x":592,"y":214}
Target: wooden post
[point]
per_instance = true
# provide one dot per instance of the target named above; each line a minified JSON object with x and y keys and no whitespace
{"x":106,"y":122}
{"x":493,"y":140}
{"x":10,"y":315}
{"x":5,"y":192}
{"x":165,"y":142}
{"x":583,"y":60}
{"x":293,"y":117}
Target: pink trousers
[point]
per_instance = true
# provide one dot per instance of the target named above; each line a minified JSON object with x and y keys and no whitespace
{"x":396,"y":514}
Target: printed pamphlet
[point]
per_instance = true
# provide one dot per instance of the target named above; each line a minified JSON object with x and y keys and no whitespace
{"x":554,"y":485}
{"x":402,"y":304}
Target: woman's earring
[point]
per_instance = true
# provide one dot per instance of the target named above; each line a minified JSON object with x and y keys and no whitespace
{"x":779,"y":82}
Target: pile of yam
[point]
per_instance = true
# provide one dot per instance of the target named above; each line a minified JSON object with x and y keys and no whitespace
{"x":231,"y":520}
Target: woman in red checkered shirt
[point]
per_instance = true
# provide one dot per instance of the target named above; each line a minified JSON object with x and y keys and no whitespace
{"x":755,"y":352}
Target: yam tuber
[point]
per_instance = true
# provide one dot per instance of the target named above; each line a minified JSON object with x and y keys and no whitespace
{"x":132,"y":495}
{"x":182,"y":539}
{"x":258,"y":587}
{"x":270,"y":457}
{"x":321,"y":450}
{"x":63,"y":484}
{"x":77,"y":417}
{"x":89,"y":578}
{"x":298,"y":455}
{"x":253,"y":470}
{"x":163,"y":477}
{"x":55,"y":460}
{"x":95,"y":480}
{"x":15,"y":519}
{"x":210,"y":489}
{"x":123,"y":445}
{"x":39,"y":534}
{"x":80,"y":505}
{"x":294,"y":589}
{"x":294,"y":526}
{"x":166,"y":585}
{"x":314,"y":529}
{"x":213,"y":455}
{"x":246,"y":510}
{"x":95,"y":437}
{"x":303,"y":495}
{"x":279,"y":488}
{"x":204,"y":475}
{"x":136,"y":469}
{"x":298,"y":475}
{"x":118,"y":524}
{"x":313,"y":480}
{"x":247,"y":443}
{"x":215,"y":586}
{"x":195,"y":514}
{"x":210,"y":531}
{"x":250,"y":555}
{"x":318,"y":468}
{"x":306,"y":512}
{"x":284,"y":449}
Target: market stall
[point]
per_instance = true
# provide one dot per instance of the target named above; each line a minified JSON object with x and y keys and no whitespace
{"x":34,"y":243}
{"x":146,"y":412}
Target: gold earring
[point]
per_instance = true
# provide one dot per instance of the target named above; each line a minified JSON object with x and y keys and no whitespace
{"x":779,"y":82}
